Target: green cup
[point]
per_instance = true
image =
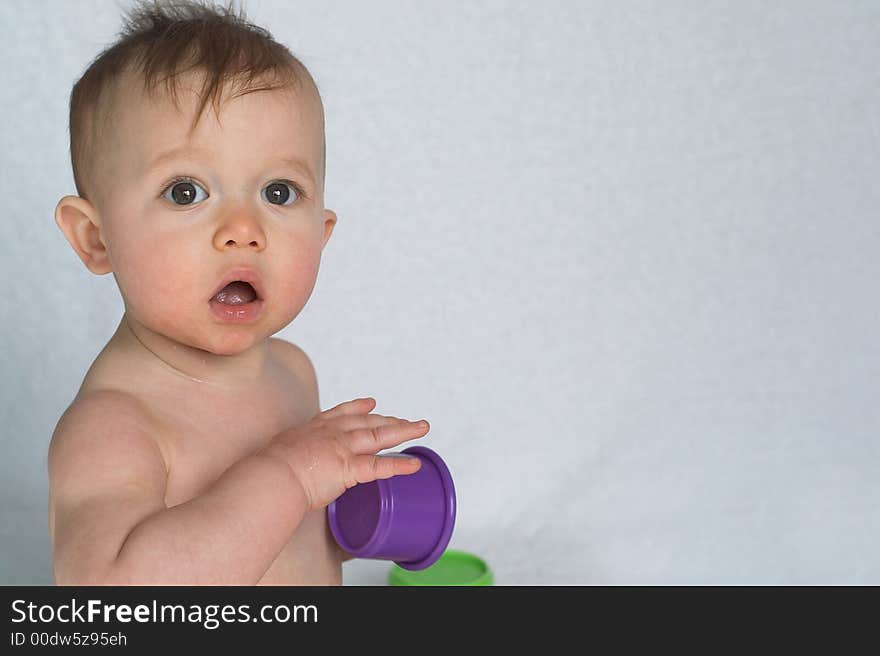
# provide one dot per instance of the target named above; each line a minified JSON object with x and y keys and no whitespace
{"x":452,"y":568}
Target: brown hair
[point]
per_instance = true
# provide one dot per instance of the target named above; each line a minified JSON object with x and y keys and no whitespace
{"x":163,"y":38}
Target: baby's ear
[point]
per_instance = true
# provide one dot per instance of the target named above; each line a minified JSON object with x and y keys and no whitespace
{"x":80,"y":223}
{"x":329,"y":222}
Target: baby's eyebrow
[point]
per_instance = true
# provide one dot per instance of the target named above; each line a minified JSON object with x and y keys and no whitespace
{"x":300,"y":164}
{"x":180,"y":151}
{"x":172,"y":154}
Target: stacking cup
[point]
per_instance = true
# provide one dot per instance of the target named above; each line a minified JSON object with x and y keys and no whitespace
{"x":406,"y":518}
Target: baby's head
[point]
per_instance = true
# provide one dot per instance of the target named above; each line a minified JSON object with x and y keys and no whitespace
{"x":174,"y":192}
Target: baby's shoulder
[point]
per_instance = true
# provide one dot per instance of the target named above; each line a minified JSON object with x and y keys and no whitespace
{"x":103,"y":434}
{"x":95,"y":410}
{"x":296,"y":362}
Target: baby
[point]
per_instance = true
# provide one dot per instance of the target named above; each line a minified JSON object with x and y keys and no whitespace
{"x":195,"y":451}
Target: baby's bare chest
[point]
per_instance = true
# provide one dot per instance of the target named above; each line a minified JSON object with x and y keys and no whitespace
{"x":201,"y":436}
{"x":204,"y":436}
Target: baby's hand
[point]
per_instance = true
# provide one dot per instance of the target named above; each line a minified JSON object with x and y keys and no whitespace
{"x":336,"y":449}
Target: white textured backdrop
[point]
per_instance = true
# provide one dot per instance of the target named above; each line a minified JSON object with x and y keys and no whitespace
{"x":624,"y":256}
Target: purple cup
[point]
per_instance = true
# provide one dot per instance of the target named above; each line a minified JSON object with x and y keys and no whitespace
{"x":406,"y":518}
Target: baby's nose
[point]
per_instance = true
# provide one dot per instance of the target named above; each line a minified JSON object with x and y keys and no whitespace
{"x":240,"y":232}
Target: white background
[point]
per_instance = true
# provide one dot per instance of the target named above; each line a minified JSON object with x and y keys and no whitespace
{"x":624,"y":256}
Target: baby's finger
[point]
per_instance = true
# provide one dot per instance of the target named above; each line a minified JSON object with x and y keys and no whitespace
{"x":354,"y":422}
{"x":371,"y":440}
{"x":355,"y":406}
{"x":370,"y":468}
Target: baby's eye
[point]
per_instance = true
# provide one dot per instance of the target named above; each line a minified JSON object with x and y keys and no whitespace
{"x":277,"y":192}
{"x":182,"y":191}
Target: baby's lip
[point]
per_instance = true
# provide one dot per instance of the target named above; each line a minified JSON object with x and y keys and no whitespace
{"x":245,"y":274}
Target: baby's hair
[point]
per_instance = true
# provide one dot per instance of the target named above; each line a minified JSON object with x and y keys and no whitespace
{"x":162,"y":39}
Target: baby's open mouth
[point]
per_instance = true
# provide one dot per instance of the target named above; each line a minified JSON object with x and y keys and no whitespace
{"x":236,"y":293}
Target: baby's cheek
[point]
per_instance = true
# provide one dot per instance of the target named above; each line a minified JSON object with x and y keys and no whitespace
{"x":298,"y":280}
{"x":157,"y":282}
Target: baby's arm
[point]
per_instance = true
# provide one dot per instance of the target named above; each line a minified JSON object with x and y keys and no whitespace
{"x":110,"y":524}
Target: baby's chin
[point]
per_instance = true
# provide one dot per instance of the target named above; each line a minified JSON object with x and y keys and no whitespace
{"x":232,"y":340}
{"x":207,"y":335}
{"x":214,"y":340}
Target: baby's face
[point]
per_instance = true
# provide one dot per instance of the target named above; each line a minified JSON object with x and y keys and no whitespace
{"x":171,"y":243}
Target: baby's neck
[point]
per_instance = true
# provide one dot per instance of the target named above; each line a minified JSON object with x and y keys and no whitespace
{"x":197,"y":365}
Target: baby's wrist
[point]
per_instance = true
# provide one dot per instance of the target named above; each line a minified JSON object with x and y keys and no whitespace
{"x":279,"y":452}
